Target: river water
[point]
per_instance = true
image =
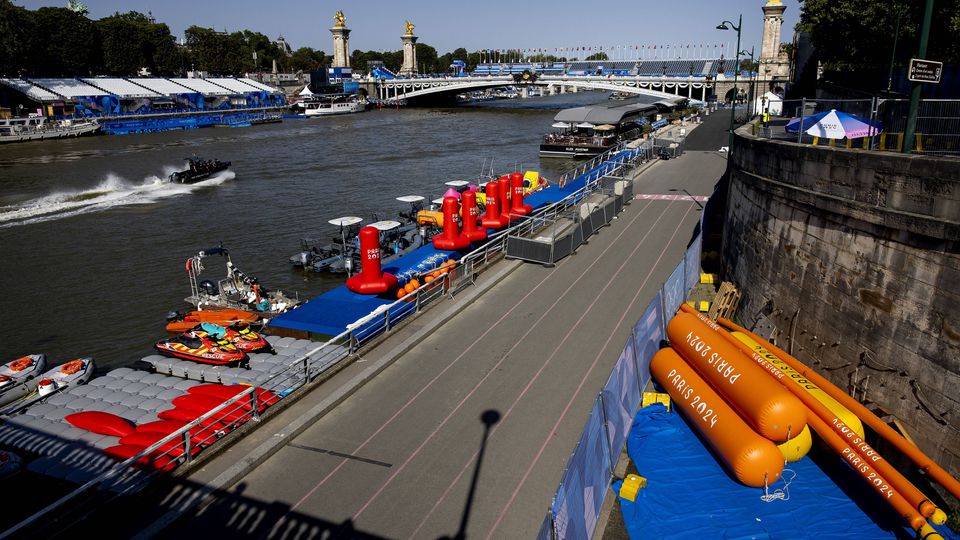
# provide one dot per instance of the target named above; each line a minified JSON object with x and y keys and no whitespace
{"x":93,"y":243}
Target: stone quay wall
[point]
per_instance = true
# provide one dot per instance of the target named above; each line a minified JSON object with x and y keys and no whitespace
{"x":853,"y":257}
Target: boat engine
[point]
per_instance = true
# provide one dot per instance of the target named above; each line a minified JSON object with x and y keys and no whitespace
{"x":209,"y":287}
{"x":174,"y":316}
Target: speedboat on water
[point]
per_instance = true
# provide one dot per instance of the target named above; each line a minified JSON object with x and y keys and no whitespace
{"x":236,"y":291}
{"x":336,"y":256}
{"x":198,"y":169}
{"x":19,"y":377}
{"x":201,"y":348}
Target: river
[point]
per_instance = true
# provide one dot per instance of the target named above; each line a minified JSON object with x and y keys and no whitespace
{"x":93,"y":243}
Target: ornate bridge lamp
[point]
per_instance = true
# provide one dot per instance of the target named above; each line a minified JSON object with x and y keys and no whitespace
{"x":727,"y":25}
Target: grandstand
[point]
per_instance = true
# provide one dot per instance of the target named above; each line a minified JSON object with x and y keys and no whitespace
{"x":234,"y":85}
{"x":651,"y":68}
{"x":69,"y":88}
{"x":121,"y":87}
{"x":258,"y":85}
{"x":202,"y":86}
{"x":162,"y":86}
{"x":31,"y":91}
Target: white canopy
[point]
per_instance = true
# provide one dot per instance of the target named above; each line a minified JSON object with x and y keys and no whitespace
{"x":605,"y":127}
{"x":306,"y":91}
{"x":345,"y":221}
{"x":560,"y":125}
{"x":385,"y":225}
{"x":410,"y":198}
{"x":585,"y":125}
{"x":456,"y":183}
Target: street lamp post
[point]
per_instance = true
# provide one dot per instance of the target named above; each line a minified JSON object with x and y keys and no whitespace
{"x":750,"y":94}
{"x":727,"y":25}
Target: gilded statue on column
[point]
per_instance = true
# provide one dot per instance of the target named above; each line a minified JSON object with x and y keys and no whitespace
{"x":409,"y":28}
{"x":339,"y":19}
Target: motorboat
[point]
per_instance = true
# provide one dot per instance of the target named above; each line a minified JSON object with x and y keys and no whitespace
{"x":57,"y":379}
{"x":198,"y":169}
{"x":35,"y":127}
{"x":236,"y":291}
{"x":338,"y":255}
{"x":239,"y":335}
{"x":331,"y":104}
{"x":178,"y":322}
{"x":594,"y":129}
{"x":19,"y":378}
{"x":201,"y":348}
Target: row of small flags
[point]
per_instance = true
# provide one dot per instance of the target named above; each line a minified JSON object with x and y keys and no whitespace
{"x":602,"y":48}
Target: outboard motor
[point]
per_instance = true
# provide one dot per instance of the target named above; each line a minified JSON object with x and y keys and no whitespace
{"x":209,"y":287}
{"x":174,"y":316}
{"x":305,"y":258}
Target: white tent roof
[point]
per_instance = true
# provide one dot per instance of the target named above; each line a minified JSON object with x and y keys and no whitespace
{"x":306,"y":91}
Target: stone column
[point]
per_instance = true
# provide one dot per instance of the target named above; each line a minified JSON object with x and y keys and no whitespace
{"x":409,"y":68}
{"x":341,"y":46}
{"x":772,"y":63}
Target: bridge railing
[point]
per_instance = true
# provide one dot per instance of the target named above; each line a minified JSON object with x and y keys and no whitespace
{"x":297,"y":375}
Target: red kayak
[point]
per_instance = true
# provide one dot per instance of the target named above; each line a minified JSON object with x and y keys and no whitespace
{"x":183,"y":322}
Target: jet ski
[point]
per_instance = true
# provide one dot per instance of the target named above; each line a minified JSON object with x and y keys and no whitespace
{"x":238,"y":334}
{"x":198,"y":169}
{"x":183,"y":322}
{"x":19,"y":378}
{"x":201,"y":349}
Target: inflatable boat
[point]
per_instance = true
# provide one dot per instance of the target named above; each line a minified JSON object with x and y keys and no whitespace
{"x":19,"y":377}
{"x":190,"y":346}
{"x":239,"y":335}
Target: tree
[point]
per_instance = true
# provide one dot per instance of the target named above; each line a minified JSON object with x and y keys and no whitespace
{"x":63,"y":43}
{"x":854,"y":35}
{"x":598,"y":56}
{"x":306,"y":60}
{"x":16,"y":27}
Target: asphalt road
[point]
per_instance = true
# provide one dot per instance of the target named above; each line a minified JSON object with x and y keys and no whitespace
{"x":398,"y":458}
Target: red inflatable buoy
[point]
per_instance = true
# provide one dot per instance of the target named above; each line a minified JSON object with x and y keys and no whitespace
{"x":470,"y":215}
{"x":371,"y":279}
{"x":516,"y":190}
{"x":492,"y":218}
{"x":451,"y":239}
{"x":503,"y":186}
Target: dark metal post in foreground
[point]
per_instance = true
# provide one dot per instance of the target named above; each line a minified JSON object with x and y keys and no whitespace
{"x":727,"y":25}
{"x":909,"y":132}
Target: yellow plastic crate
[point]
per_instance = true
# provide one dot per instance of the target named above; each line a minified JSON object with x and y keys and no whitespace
{"x":632,"y":485}
{"x":708,"y":279}
{"x":649,"y":398}
{"x":703,"y":306}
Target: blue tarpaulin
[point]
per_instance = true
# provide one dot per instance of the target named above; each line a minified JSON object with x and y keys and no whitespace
{"x":690,"y":495}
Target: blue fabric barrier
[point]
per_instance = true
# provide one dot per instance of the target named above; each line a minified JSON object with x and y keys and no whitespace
{"x":577,"y":503}
{"x":546,"y":528}
{"x":621,"y":397}
{"x":690,"y":495}
{"x":691,"y":264}
{"x":647,"y":334}
{"x":673,"y":291}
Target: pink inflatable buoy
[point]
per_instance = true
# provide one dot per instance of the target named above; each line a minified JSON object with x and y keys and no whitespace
{"x":451,"y":193}
{"x":451,"y":238}
{"x":516,"y":190}
{"x":470,"y":215}
{"x":492,"y":218}
{"x":371,"y":279}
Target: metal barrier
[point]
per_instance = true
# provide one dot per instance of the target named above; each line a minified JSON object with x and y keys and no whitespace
{"x":133,"y":473}
{"x":937,"y":129}
{"x":576,"y":505}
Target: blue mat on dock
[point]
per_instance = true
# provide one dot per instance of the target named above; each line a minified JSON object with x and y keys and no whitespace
{"x":690,"y":495}
{"x":332,"y":311}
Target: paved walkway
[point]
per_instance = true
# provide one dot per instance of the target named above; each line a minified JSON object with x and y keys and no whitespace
{"x":399,"y":457}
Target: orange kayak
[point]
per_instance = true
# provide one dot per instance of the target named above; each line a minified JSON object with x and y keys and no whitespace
{"x":182,"y":322}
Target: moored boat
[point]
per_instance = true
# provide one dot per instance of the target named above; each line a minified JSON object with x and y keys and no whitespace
{"x":236,"y":291}
{"x":239,"y":335}
{"x":36,"y":127}
{"x":191,"y":346}
{"x":19,"y":377}
{"x":181,"y":322}
{"x":72,"y":373}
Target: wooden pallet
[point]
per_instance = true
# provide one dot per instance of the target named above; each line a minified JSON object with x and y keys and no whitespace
{"x":725,"y":302}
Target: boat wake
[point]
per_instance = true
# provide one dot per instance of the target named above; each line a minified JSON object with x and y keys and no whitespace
{"x":112,"y":192}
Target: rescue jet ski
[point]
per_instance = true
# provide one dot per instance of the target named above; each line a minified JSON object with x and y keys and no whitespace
{"x":239,"y":335}
{"x":201,"y":349}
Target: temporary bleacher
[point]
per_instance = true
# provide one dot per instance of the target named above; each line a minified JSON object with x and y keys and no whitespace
{"x":70,"y":88}
{"x":237,"y":86}
{"x":31,"y":90}
{"x":258,"y":85}
{"x":121,"y":87}
{"x":163,"y":86}
{"x":202,"y":86}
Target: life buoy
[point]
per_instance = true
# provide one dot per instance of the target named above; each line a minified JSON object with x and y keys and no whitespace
{"x":189,"y":265}
{"x":20,"y":364}
{"x":71,"y":367}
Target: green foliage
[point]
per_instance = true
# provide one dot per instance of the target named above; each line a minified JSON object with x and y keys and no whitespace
{"x":16,"y":25}
{"x":64,"y":43}
{"x":306,"y":60}
{"x":857,"y":35}
{"x":130,"y":41}
{"x":598,"y":56}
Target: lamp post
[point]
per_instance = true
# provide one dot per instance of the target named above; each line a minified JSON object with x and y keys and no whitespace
{"x":752,"y":112}
{"x":727,"y":25}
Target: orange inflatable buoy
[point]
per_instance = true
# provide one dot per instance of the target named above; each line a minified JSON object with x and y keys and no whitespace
{"x":769,"y":408}
{"x":754,"y":460}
